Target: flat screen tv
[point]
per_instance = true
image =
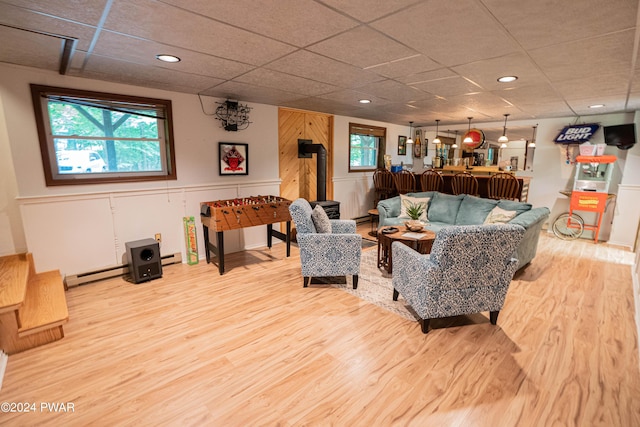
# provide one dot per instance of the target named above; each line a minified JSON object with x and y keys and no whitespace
{"x":621,"y":136}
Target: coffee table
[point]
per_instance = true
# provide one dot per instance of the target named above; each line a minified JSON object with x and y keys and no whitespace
{"x":422,"y":245}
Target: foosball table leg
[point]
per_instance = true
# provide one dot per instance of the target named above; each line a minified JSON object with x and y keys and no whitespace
{"x":205,"y":231}
{"x":220,"y":242}
{"x":288,"y":238}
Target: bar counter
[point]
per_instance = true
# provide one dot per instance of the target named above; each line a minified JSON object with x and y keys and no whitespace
{"x":482,"y":174}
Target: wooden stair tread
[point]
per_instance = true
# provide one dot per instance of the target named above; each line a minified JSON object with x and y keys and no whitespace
{"x":45,"y":304}
{"x":14,"y":276}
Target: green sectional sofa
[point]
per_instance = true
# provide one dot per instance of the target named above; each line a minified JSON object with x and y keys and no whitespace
{"x":445,"y":209}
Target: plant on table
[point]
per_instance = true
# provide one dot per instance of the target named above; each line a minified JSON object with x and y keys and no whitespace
{"x":414,"y":211}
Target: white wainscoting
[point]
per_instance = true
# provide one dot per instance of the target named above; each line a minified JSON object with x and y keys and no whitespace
{"x":355,"y":194}
{"x":84,"y":232}
{"x":626,"y":218}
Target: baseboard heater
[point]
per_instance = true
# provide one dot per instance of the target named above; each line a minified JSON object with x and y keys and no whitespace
{"x":362,"y":219}
{"x":109,"y":272}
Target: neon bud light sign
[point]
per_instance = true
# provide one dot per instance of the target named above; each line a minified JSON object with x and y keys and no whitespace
{"x":576,"y":134}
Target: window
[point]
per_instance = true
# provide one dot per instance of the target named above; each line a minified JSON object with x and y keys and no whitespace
{"x":92,"y":137}
{"x":366,"y":147}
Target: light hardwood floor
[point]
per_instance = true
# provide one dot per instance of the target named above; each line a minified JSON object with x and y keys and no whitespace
{"x":253,"y":347}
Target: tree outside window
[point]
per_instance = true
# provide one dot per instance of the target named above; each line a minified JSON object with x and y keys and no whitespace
{"x":92,"y":137}
{"x":366,"y":147}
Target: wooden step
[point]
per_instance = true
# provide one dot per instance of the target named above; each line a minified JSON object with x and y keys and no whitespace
{"x":45,"y":305}
{"x":14,"y":276}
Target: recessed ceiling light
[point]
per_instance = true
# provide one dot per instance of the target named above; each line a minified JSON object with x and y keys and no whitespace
{"x":167,"y":58}
{"x":507,"y":79}
{"x":364,"y":101}
{"x":596,"y":106}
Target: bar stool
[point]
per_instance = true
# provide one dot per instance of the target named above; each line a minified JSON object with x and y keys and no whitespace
{"x":464,"y":183}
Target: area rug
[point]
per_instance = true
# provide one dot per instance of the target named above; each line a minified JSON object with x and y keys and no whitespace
{"x":374,"y":286}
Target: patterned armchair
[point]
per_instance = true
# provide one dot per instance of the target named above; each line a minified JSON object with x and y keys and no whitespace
{"x":326,"y":254}
{"x":468,"y":271}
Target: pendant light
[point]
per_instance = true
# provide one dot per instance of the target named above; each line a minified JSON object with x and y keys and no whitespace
{"x":503,"y":139}
{"x":455,"y":141}
{"x":468,"y":139}
{"x":437,"y":140}
{"x":532,"y":144}
{"x":410,"y":140}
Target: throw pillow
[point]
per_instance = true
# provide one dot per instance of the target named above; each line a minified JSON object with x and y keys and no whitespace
{"x":444,"y":208}
{"x":407,"y":201}
{"x":320,"y":220}
{"x":474,"y":210}
{"x":499,"y":216}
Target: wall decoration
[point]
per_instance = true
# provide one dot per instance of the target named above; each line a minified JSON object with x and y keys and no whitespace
{"x":233,"y":115}
{"x":417,"y":144}
{"x":402,"y":145}
{"x":576,"y":134}
{"x":234,"y":158}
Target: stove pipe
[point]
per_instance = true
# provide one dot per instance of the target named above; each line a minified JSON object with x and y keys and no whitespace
{"x":305,"y":150}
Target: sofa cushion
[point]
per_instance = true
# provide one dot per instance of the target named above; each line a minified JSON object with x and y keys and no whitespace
{"x":444,"y":208}
{"x":407,"y":201}
{"x":474,"y":210}
{"x":321,"y":220}
{"x":500,"y":216}
{"x":510,"y":205}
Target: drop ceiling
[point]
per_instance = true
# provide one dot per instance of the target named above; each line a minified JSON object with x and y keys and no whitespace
{"x":415,"y":60}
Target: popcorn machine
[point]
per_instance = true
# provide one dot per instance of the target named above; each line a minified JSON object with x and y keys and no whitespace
{"x":590,"y":191}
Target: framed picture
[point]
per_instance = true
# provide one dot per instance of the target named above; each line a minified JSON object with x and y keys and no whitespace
{"x":234,"y":158}
{"x":402,"y":145}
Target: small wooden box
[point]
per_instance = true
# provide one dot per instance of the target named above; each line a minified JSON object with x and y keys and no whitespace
{"x":223,"y":215}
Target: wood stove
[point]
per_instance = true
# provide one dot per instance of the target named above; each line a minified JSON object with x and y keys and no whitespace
{"x":306,"y":148}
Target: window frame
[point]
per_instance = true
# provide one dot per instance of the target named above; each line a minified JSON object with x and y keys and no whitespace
{"x":375,"y":131}
{"x":40,"y":97}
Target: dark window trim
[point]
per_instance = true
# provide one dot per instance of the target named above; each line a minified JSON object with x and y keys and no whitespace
{"x":40,"y":91}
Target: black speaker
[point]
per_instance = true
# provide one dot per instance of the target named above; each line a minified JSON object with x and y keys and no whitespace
{"x":144,"y":260}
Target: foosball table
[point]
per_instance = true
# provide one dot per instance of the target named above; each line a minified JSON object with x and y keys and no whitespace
{"x":232,"y":214}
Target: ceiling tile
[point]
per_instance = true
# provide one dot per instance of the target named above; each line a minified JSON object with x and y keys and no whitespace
{"x":275,"y":79}
{"x":539,"y":23}
{"x":102,"y":68}
{"x":602,"y":55}
{"x":451,"y":86}
{"x":85,"y":11}
{"x":401,"y":69}
{"x":316,"y":67}
{"x":30,"y":49}
{"x":251,"y":93}
{"x":595,"y":86}
{"x":144,"y":52}
{"x":352,"y":97}
{"x":486,"y":72}
{"x":394,"y":91}
{"x":529,"y":94}
{"x":176,"y":27}
{"x":366,"y":10}
{"x":299,"y":22}
{"x":428,"y":28}
{"x":354,"y":47}
{"x":22,"y":18}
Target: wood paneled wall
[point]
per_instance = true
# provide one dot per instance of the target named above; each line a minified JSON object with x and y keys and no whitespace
{"x":299,"y":176}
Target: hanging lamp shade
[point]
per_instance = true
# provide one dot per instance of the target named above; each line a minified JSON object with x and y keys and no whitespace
{"x":504,"y":139}
{"x":410,"y":139}
{"x":437,"y":140}
{"x":532,"y":144}
{"x":455,"y":141}
{"x":467,"y":136}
